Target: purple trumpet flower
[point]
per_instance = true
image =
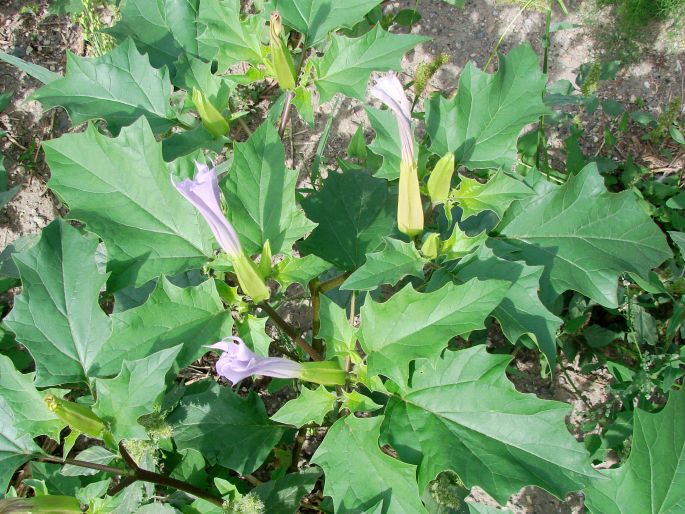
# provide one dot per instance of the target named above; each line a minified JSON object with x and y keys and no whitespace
{"x":239,"y":362}
{"x":203,"y":193}
{"x":388,"y":89}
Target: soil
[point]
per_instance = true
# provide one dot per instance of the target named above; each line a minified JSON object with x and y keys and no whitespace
{"x":464,"y":34}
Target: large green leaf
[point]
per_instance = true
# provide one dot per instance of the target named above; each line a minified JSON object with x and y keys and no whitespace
{"x":652,"y":481}
{"x":122,"y":190}
{"x":521,"y":311}
{"x":260,"y":193}
{"x":374,"y":476}
{"x":209,"y":413}
{"x":462,"y":413}
{"x":347,"y":64}
{"x":495,"y":195}
{"x":19,"y":392}
{"x":482,"y":121}
{"x":16,"y":446}
{"x":316,"y":18}
{"x":355,"y":211}
{"x":412,"y":325}
{"x":584,"y":236}
{"x":133,"y":393}
{"x":163,"y":29}
{"x":394,"y":262}
{"x":236,"y":39}
{"x":171,"y":315}
{"x":57,"y":315}
{"x":118,"y":87}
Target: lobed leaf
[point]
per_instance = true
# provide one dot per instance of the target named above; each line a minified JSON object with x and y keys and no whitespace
{"x":57,"y":316}
{"x":148,"y":227}
{"x":117,"y":87}
{"x":461,"y":413}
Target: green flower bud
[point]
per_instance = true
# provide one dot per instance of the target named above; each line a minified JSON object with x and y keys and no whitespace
{"x":77,"y":416}
{"x":440,"y":179}
{"x":430,"y":245}
{"x":281,"y":60}
{"x":325,"y":373}
{"x":409,"y":207}
{"x":211,"y":118}
{"x":265,"y":261}
{"x":40,"y":504}
{"x":251,"y":282}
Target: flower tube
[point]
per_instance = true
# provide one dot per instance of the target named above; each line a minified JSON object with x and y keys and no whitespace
{"x":389,"y":90}
{"x":203,"y":193}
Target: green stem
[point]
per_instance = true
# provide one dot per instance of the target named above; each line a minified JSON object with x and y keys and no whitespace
{"x":292,"y":333}
{"x":135,"y":473}
{"x":541,"y":154}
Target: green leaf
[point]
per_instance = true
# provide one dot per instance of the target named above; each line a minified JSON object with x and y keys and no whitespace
{"x":133,"y":392}
{"x":37,"y":72}
{"x":311,"y":406}
{"x":679,"y":239}
{"x":283,"y":496}
{"x":122,"y":190}
{"x":96,"y":454}
{"x":235,"y":39}
{"x":208,"y":412}
{"x":194,"y":73}
{"x":335,"y":329}
{"x":482,"y":122}
{"x":252,"y":330}
{"x":118,"y":87}
{"x":57,"y":315}
{"x":171,"y":315}
{"x":412,"y":325}
{"x":653,"y":478}
{"x":374,"y":476}
{"x":386,"y":143}
{"x":316,"y":18}
{"x":521,"y":311}
{"x":495,"y":195}
{"x":347,"y":64}
{"x":163,"y":29}
{"x":260,"y":193}
{"x":292,"y":270}
{"x":462,"y":413}
{"x":16,"y":446}
{"x":18,"y":392}
{"x":584,"y":236}
{"x":388,"y":266}
{"x":355,"y":212}
{"x":6,"y":194}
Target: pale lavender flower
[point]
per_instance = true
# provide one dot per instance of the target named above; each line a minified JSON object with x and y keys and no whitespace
{"x":239,"y":362}
{"x":388,"y":89}
{"x":203,"y":193}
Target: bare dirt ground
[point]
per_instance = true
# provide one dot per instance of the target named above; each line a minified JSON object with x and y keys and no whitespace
{"x":464,"y":34}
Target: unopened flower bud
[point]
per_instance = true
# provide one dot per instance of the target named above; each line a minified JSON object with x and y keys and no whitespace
{"x":265,"y":260}
{"x":430,"y":246}
{"x":440,"y":179}
{"x":281,"y":59}
{"x":75,"y":415}
{"x":211,"y":118}
{"x":45,"y":504}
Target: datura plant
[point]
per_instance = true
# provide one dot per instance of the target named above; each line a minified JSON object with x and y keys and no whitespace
{"x":153,"y":359}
